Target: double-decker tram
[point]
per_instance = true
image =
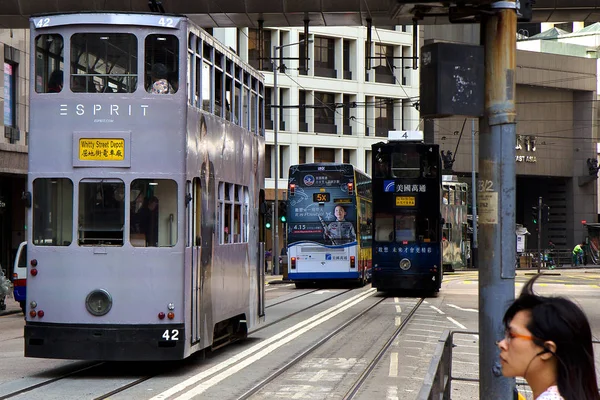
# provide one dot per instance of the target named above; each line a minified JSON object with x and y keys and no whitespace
{"x":146,"y":158}
{"x":407,"y":223}
{"x":329,"y":209}
{"x":456,"y":246}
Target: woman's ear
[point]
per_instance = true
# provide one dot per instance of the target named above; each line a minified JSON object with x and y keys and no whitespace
{"x":550,"y":350}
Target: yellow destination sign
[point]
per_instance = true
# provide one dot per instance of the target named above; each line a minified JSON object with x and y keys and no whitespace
{"x":102,"y":149}
{"x":405,"y":201}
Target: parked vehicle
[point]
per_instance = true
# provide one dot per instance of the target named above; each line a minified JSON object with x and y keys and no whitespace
{"x":19,"y":277}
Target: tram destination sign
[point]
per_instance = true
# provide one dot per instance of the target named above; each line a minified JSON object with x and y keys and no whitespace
{"x":101,"y":149}
{"x":405,"y":201}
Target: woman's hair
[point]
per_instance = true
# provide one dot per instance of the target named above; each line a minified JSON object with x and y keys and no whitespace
{"x":560,"y":320}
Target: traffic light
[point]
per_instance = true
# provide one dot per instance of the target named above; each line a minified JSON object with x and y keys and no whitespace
{"x":534,"y":214}
{"x":268,"y":219}
{"x":283,"y":212}
{"x":545,"y":214}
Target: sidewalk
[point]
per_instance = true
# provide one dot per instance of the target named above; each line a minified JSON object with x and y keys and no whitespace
{"x":12,"y":307}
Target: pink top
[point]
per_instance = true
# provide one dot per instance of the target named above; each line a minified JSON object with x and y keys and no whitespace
{"x":550,"y":394}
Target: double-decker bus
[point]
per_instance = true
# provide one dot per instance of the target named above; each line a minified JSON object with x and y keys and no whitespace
{"x":146,"y":153}
{"x":456,"y":246}
{"x":407,"y":234}
{"x":329,"y":213}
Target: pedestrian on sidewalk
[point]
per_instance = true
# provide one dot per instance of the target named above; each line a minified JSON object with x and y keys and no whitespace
{"x":548,"y":342}
{"x":578,"y":254}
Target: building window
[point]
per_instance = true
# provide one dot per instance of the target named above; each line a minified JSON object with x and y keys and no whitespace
{"x":254,"y":53}
{"x":325,"y":112}
{"x":10,"y":94}
{"x":383,"y":63}
{"x":268,"y":161}
{"x":303,"y":67}
{"x":347,"y":117}
{"x":302,"y":155}
{"x":302,"y":124}
{"x":346,"y":60}
{"x":384,"y":116}
{"x":324,"y":155}
{"x":325,"y":57}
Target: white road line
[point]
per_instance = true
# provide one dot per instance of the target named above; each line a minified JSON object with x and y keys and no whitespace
{"x":398,"y":309}
{"x":425,"y":301}
{"x":319,"y":375}
{"x":392,"y":393}
{"x":396,"y":300}
{"x":290,"y":332}
{"x":455,"y":322}
{"x":393,"y":365}
{"x":463,"y":309}
{"x":398,"y":321}
{"x":437,"y":309}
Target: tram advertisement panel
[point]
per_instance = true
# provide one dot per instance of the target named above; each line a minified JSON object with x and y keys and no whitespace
{"x":322,"y":207}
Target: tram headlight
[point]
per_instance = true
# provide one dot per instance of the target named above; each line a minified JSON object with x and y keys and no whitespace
{"x":404,"y":264}
{"x":98,"y":302}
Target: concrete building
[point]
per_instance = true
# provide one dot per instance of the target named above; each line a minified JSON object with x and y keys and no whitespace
{"x":14,"y":102}
{"x":556,"y":135}
{"x":337,"y":109}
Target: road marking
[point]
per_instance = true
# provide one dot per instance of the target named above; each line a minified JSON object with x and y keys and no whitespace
{"x":398,"y":321}
{"x":392,"y":393}
{"x":437,"y":309}
{"x":398,"y":309}
{"x":455,"y":322}
{"x":260,"y":350}
{"x":396,"y":300}
{"x":319,"y":375}
{"x":463,"y":309}
{"x":393,"y":365}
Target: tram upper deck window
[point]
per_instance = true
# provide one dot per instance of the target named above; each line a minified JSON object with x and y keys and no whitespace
{"x":52,"y":212}
{"x":101,"y":212}
{"x":153,"y":205}
{"x":49,"y":63}
{"x":161,"y":64}
{"x":104,"y":63}
{"x":406,"y":165}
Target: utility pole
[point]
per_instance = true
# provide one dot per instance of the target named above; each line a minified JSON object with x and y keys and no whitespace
{"x":474,"y":257}
{"x":539,"y":234}
{"x":496,"y":193}
{"x":275,"y":132}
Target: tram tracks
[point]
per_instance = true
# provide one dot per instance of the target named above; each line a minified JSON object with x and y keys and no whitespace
{"x":358,"y":384}
{"x":292,"y":298}
{"x":296,"y":312}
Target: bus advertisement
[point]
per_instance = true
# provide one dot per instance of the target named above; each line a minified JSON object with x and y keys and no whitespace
{"x":328,"y":216}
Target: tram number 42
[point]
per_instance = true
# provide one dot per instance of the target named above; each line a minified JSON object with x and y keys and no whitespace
{"x":171,"y":335}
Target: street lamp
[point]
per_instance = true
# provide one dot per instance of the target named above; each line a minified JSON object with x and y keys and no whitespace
{"x":275,"y":132}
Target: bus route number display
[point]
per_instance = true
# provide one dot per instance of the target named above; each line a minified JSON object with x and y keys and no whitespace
{"x":102,"y":149}
{"x":321,"y":197}
{"x":405,"y":201}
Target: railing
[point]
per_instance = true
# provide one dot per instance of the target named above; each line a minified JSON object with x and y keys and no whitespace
{"x":438,"y":378}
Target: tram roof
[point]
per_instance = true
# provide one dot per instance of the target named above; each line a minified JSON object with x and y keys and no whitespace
{"x":242,"y":13}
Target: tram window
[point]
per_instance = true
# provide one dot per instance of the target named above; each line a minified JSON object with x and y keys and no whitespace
{"x":261,"y":103}
{"x":218,"y":92}
{"x":245,"y":215}
{"x":384,"y":232}
{"x":52,"y":212}
{"x":228,"y":95}
{"x":206,"y":86}
{"x":382,"y":166}
{"x":153,"y":209}
{"x":237,"y":96}
{"x":406,"y":165}
{"x":405,"y":228}
{"x":161,"y":64}
{"x":49,"y":63}
{"x":101,"y":212}
{"x":429,"y":165}
{"x":104,"y":62}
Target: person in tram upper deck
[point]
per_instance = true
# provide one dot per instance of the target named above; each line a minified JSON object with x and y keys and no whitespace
{"x":160,"y":80}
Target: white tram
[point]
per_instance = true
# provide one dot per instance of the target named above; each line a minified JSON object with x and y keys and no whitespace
{"x":146,"y":154}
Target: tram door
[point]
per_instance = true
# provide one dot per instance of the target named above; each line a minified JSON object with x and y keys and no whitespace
{"x":196,"y":216}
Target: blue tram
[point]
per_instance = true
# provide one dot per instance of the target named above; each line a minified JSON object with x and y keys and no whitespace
{"x":407,"y":223}
{"x":146,"y":167}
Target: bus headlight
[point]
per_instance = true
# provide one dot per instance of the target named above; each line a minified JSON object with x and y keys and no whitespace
{"x":404,"y":264}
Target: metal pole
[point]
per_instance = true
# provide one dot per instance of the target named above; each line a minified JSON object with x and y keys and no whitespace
{"x":275,"y":252}
{"x":497,"y":200}
{"x":539,"y":234}
{"x":474,"y":246}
